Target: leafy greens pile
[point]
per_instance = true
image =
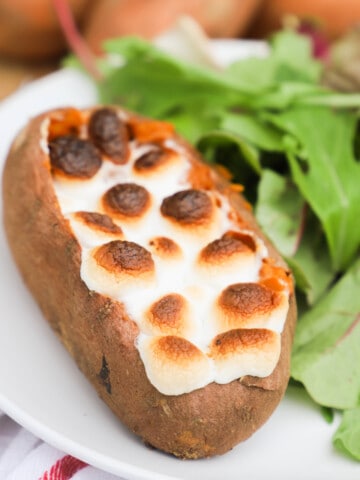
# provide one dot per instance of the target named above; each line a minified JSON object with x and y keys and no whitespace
{"x":295,"y":145}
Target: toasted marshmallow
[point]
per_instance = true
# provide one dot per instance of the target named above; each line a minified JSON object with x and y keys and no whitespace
{"x":165,"y":248}
{"x":174,"y":365}
{"x":93,"y":228}
{"x":117,"y":266}
{"x":157,"y":162}
{"x":234,"y":257}
{"x":126,"y":201}
{"x":189,"y":208}
{"x":74,"y":158}
{"x":169,"y":315}
{"x":191,"y":216}
{"x":250,"y":305}
{"x":110,"y":134}
{"x":157,"y":236}
{"x":244,"y":352}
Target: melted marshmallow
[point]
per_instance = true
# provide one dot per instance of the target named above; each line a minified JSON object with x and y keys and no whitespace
{"x":193,"y":330}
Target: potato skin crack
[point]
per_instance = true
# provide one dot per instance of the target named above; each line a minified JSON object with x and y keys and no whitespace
{"x":104,"y":375}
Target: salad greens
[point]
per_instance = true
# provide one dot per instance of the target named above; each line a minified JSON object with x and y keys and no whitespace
{"x":294,"y":144}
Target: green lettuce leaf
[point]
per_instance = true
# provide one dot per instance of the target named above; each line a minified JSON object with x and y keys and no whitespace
{"x":247,"y":153}
{"x":326,"y":353}
{"x":347,"y":437}
{"x":280,"y":211}
{"x":263,"y":135}
{"x":328,"y":174}
{"x":314,"y":263}
{"x":155,"y":83}
{"x":290,"y":60}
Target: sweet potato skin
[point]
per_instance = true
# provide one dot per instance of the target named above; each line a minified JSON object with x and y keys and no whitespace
{"x":100,"y":336}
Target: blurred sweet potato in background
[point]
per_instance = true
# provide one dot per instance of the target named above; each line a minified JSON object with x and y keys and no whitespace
{"x":30,"y":30}
{"x":32,"y":41}
{"x":218,"y":18}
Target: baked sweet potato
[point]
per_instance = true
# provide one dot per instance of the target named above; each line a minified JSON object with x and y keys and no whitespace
{"x":152,"y":271}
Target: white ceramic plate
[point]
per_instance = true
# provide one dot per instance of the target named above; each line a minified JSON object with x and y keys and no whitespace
{"x":41,"y":388}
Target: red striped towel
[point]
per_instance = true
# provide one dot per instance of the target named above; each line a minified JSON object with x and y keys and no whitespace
{"x":25,"y":457}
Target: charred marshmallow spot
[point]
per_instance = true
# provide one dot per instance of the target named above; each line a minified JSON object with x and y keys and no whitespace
{"x":188,"y":207}
{"x":232,"y":258}
{"x":157,"y":162}
{"x":226,"y":248}
{"x":126,"y":201}
{"x":151,"y":161}
{"x":161,"y":174}
{"x":124,"y":257}
{"x":165,"y":248}
{"x":168,"y":316}
{"x":173,"y":364}
{"x":93,"y":228}
{"x":109,"y":134}
{"x":250,"y":305}
{"x":117,"y":266}
{"x":73,"y":157}
{"x":98,"y":221}
{"x":242,"y":352}
{"x":191,"y":216}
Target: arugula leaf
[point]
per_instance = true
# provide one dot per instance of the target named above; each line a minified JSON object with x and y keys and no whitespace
{"x":280,"y":211}
{"x":257,"y":131}
{"x":294,"y":52}
{"x":326,"y":355}
{"x":194,"y":125}
{"x":155,"y":83}
{"x":289,"y":60}
{"x":347,"y":437}
{"x":170,"y":83}
{"x":314,"y":263}
{"x":213,"y":140}
{"x":328,"y":174}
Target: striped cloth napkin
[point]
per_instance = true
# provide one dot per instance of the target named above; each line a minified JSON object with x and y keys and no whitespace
{"x":25,"y":457}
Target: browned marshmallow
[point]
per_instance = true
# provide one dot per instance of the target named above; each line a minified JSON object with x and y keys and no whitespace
{"x":173,"y":364}
{"x":118,"y":267}
{"x":242,"y":352}
{"x":188,"y":207}
{"x":208,"y":302}
{"x":234,"y":257}
{"x":168,"y":316}
{"x":227,"y":248}
{"x":98,"y":222}
{"x":93,"y":229}
{"x":126,"y":201}
{"x":123,"y":257}
{"x":165,"y":248}
{"x":74,"y":158}
{"x":246,"y":305}
{"x":110,"y":135}
{"x":155,"y":161}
